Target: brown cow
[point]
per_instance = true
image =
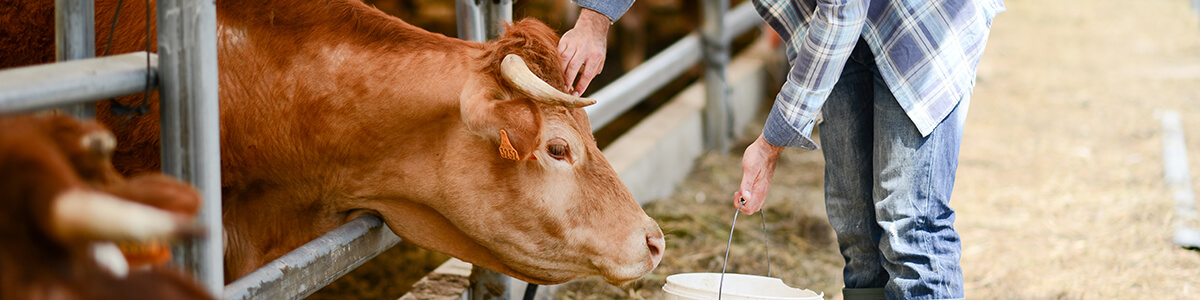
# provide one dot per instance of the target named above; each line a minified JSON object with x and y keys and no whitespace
{"x":61,"y":203}
{"x":331,"y":109}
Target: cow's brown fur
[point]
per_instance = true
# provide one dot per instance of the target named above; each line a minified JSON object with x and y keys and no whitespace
{"x":331,"y":109}
{"x":40,"y":159}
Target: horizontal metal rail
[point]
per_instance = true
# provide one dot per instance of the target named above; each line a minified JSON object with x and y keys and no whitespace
{"x":633,"y":87}
{"x":54,"y":85}
{"x":319,"y":262}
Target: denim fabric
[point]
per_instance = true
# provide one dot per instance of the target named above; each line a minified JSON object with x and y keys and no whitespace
{"x":614,"y":9}
{"x":887,"y":188}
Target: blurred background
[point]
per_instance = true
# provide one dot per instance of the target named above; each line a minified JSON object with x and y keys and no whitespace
{"x":1060,"y":191}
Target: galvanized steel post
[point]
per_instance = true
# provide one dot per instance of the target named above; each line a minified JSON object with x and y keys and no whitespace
{"x":470,"y":20}
{"x":75,"y":38}
{"x":187,"y":53}
{"x":716,"y":58}
{"x":496,"y":13}
{"x":493,"y":16}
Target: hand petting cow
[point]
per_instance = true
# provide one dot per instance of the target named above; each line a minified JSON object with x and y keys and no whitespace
{"x":331,"y":109}
{"x":63,"y":206}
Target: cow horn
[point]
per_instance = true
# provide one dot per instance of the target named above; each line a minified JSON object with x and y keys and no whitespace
{"x":517,"y":73}
{"x":88,"y":215}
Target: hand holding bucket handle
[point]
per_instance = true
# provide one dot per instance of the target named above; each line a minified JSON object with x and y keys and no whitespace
{"x":766,"y":239}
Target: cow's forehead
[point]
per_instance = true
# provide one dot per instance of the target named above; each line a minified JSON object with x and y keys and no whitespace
{"x":576,"y":118}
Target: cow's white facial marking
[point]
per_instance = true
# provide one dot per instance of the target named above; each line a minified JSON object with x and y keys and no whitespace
{"x":109,"y":257}
{"x":99,"y":142}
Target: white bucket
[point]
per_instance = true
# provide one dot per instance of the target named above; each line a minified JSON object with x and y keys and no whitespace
{"x":703,"y":286}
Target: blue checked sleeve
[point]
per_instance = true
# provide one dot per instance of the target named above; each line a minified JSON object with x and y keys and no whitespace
{"x":820,"y":51}
{"x":613,"y":9}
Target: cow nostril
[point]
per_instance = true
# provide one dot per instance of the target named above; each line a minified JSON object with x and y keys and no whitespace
{"x":656,"y":245}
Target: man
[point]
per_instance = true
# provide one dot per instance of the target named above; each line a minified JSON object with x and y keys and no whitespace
{"x":893,"y":80}
{"x":582,"y":48}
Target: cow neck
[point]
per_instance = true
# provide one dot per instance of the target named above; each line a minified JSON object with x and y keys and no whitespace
{"x":351,"y":77}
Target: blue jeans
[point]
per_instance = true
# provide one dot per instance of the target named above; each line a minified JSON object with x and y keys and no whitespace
{"x":887,"y":188}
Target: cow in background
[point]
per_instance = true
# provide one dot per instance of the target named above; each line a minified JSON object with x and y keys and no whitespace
{"x":62,"y":205}
{"x":331,"y":109}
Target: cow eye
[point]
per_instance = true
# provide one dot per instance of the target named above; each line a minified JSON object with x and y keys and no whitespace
{"x":558,"y":149}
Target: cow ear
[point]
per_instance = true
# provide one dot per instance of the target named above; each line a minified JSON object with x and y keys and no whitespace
{"x":512,"y":125}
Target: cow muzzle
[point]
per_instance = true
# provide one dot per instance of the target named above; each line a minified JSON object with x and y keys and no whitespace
{"x":641,"y":253}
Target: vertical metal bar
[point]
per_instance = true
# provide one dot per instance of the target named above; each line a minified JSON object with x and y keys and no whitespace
{"x":470,"y":20}
{"x":716,"y":58}
{"x":75,"y":38}
{"x":496,"y":13}
{"x":187,"y":53}
{"x":487,"y":284}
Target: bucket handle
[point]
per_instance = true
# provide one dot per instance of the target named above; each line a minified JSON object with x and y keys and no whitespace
{"x":766,"y":240}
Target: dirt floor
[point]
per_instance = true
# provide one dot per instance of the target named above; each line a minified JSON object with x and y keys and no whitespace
{"x":1060,"y":192}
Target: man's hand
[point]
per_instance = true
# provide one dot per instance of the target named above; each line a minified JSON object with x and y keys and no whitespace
{"x":758,"y":165}
{"x":583,"y":48}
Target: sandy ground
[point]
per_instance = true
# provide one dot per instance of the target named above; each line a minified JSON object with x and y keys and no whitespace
{"x":1060,"y":192}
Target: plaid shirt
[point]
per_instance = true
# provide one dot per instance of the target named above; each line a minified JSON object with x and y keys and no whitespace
{"x":926,"y":51}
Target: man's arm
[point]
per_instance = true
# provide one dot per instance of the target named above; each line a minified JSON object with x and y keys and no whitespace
{"x":831,"y":35}
{"x":835,"y":27}
{"x":613,"y":9}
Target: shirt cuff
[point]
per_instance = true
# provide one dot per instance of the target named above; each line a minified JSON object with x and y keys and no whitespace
{"x":613,"y":9}
{"x":782,"y":130}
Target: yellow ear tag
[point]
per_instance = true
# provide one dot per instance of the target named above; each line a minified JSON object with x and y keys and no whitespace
{"x":506,"y":148}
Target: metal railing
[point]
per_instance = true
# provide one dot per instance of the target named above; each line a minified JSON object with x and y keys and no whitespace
{"x":312,"y":266}
{"x":189,"y":117}
{"x":185,"y":72}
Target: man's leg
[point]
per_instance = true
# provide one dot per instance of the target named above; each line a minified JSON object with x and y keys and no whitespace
{"x":846,"y":141}
{"x":913,"y":183}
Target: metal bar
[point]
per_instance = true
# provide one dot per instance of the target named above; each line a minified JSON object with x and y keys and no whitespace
{"x":637,"y":84}
{"x":187,"y":49}
{"x":58,"y":84}
{"x":740,"y":20}
{"x":75,"y":38}
{"x":309,"y":268}
{"x":633,"y":87}
{"x":717,"y":131}
{"x":470,"y":20}
{"x":487,"y":284}
{"x":496,"y":15}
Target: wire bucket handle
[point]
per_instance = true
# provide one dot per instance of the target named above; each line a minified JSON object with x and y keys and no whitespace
{"x":766,"y":240}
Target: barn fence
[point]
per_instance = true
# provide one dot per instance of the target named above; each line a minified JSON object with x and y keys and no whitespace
{"x":185,"y":73}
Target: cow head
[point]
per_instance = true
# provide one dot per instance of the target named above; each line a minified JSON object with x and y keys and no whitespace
{"x":62,"y":206}
{"x":536,"y":198}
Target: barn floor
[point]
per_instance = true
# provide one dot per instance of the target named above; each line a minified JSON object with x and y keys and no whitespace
{"x":1060,"y":192}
